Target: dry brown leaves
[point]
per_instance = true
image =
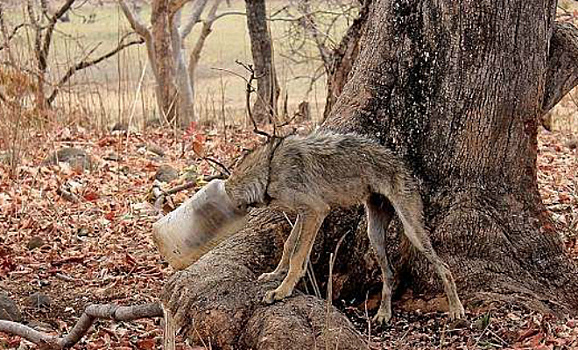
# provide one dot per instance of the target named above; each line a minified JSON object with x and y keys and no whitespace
{"x":98,"y":249}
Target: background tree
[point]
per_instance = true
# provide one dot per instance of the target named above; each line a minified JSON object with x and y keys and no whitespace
{"x":312,"y":36}
{"x":41,"y":21}
{"x":265,"y":106}
{"x":164,"y":40}
{"x":457,"y":90}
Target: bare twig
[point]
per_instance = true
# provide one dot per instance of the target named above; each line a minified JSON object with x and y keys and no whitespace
{"x":47,"y":40}
{"x":248,"y":91}
{"x":329,"y":301}
{"x":134,"y":20}
{"x":170,"y":330}
{"x":159,"y":195}
{"x":89,"y":63}
{"x":226,"y":172}
{"x":7,"y":37}
{"x":91,"y":313}
{"x":67,"y":195}
{"x":230,"y":13}
{"x":194,"y":16}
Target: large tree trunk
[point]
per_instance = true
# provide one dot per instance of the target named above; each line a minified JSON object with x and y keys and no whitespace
{"x":456,"y":89}
{"x":217,"y":300}
{"x":265,"y":106}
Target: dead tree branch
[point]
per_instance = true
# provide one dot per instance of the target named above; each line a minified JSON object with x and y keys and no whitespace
{"x":89,"y":63}
{"x":91,"y":313}
{"x":6,"y":35}
{"x":195,"y":15}
{"x":47,"y":40}
{"x":205,"y":31}
{"x":134,"y":20}
{"x":249,"y":89}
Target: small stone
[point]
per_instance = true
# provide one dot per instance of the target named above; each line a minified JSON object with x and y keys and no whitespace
{"x":112,"y":156}
{"x":153,"y":123}
{"x":9,"y":311}
{"x":39,"y":300}
{"x":119,"y":127}
{"x":35,"y":242}
{"x":83,"y":231}
{"x":460,"y":323}
{"x":572,"y":143}
{"x":156,"y":150}
{"x":6,"y":157}
{"x":124,"y":170}
{"x":189,"y":174}
{"x":166,"y":173}
{"x":75,"y":157}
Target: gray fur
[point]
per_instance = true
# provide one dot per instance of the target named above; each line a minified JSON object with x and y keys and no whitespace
{"x":310,"y":175}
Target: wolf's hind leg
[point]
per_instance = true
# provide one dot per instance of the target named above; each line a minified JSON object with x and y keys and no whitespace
{"x":409,"y":207}
{"x":379,"y":214}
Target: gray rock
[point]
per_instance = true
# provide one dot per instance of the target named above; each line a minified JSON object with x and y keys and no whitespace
{"x":151,"y":147}
{"x":8,"y":309}
{"x":77,"y":158}
{"x":112,"y":156}
{"x":39,"y":300}
{"x":572,"y":143}
{"x":35,"y":242}
{"x":166,"y":173}
{"x":119,"y":127}
{"x":153,"y":123}
{"x":6,"y":157}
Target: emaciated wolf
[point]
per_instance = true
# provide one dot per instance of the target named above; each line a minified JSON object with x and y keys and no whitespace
{"x":311,"y":174}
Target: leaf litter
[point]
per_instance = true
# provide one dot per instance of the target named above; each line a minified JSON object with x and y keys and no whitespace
{"x":94,"y":245}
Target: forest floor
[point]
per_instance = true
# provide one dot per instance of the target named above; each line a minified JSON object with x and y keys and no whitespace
{"x":84,"y":236}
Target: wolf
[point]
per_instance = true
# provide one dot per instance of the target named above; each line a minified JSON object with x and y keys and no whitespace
{"x":310,"y":175}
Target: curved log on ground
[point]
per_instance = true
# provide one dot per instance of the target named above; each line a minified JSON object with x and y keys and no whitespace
{"x":91,"y":313}
{"x":218,"y":300}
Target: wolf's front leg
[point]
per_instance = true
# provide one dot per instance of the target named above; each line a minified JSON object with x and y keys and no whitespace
{"x":311,"y":222}
{"x":288,"y":250}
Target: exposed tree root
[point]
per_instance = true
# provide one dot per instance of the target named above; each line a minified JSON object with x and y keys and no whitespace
{"x":217,"y":300}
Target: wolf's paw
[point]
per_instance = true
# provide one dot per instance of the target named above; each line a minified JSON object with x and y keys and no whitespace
{"x":382,"y":317}
{"x":276,"y":295}
{"x":457,"y":311}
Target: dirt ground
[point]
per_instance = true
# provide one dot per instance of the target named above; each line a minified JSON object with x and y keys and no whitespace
{"x":99,"y":249}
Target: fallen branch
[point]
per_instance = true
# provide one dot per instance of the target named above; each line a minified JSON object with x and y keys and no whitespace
{"x":91,"y":313}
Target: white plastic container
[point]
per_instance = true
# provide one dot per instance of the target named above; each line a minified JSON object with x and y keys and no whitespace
{"x":197,"y":225}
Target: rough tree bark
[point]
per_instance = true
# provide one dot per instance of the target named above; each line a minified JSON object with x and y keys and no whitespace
{"x":456,"y":89}
{"x":265,"y":106}
{"x":343,"y":58}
